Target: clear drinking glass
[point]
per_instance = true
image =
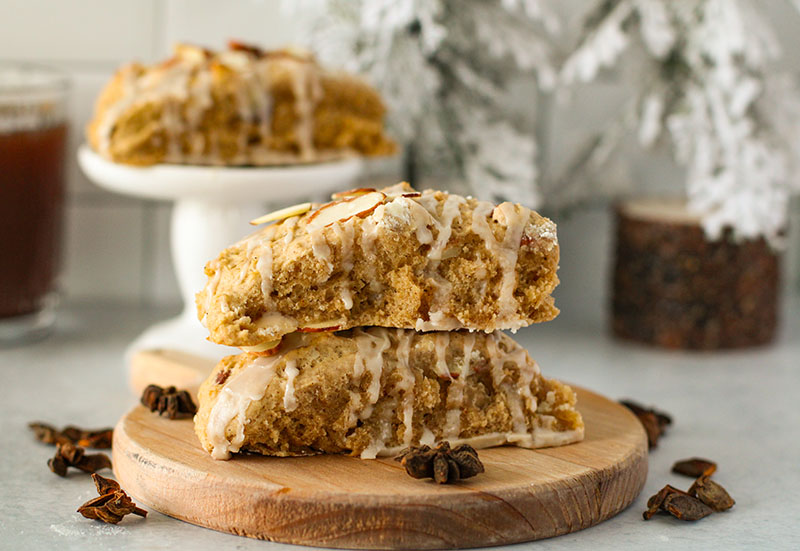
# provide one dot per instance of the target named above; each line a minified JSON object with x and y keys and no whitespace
{"x":33,"y":138}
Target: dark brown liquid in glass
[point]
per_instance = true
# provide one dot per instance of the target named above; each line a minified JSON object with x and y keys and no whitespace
{"x":31,"y":201}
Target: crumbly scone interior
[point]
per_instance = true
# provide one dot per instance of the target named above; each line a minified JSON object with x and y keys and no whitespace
{"x":241,"y":106}
{"x":429,"y":261}
{"x":374,"y":391}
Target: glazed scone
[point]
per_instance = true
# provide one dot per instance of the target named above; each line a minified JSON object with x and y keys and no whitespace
{"x":242,"y":106}
{"x":371,"y":392}
{"x":429,"y":261}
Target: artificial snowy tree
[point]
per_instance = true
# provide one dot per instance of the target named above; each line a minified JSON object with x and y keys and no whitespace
{"x":703,"y":83}
{"x":445,"y":68}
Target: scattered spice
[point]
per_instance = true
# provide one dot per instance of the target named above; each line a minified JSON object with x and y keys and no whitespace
{"x":711,"y":493}
{"x":703,"y":498}
{"x":684,"y":507}
{"x":175,"y":403}
{"x":655,"y":422}
{"x":677,"y":503}
{"x":69,"y":455}
{"x":441,"y":463}
{"x":694,"y":467}
{"x":97,"y":439}
{"x":113,"y":503}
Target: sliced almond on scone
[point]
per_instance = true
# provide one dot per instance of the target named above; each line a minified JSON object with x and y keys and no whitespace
{"x":288,"y":212}
{"x":191,"y":53}
{"x":339,"y":211}
{"x":264,"y":349}
{"x":320,"y":327}
{"x":242,"y":47}
{"x":352,"y":193}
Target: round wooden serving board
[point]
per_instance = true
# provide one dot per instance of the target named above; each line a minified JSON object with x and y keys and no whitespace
{"x":345,"y":502}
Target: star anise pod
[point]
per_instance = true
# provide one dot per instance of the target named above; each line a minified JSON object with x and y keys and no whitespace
{"x":98,"y":439}
{"x":441,"y":463}
{"x":711,"y":493}
{"x":677,"y":503}
{"x":176,"y":404}
{"x":655,"y":422}
{"x":69,"y":455}
{"x":113,"y":503}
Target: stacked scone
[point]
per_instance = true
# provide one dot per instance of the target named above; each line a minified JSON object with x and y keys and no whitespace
{"x":373,"y":322}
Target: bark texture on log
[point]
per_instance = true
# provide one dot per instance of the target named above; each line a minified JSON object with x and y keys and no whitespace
{"x":674,"y":288}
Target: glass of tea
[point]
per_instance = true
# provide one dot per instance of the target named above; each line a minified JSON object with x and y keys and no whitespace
{"x":33,"y":139}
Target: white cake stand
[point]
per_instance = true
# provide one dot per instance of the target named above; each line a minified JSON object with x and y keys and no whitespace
{"x":212,"y":208}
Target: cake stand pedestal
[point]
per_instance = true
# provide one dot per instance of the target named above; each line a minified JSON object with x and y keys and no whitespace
{"x":212,"y":208}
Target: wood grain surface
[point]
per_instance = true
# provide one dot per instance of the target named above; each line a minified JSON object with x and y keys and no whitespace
{"x":344,"y":502}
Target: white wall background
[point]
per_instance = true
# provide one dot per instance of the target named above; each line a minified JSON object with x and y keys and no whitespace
{"x":117,"y":247}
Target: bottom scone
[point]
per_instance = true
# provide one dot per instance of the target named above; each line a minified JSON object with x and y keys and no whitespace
{"x":375,"y":391}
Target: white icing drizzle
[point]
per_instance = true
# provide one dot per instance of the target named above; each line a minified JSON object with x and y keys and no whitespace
{"x":370,"y":344}
{"x":290,"y":224}
{"x":182,"y":86}
{"x":307,"y":90}
{"x":515,"y":217}
{"x":455,"y":392}
{"x":406,"y":384}
{"x":438,"y":320}
{"x":321,"y":248}
{"x":246,"y":386}
{"x":289,"y":400}
{"x":441,"y":342}
{"x":346,"y":235}
{"x":369,"y":237}
{"x":497,"y":359}
{"x":264,"y":267}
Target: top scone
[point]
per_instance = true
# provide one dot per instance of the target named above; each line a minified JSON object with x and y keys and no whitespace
{"x":429,"y":261}
{"x":242,"y":106}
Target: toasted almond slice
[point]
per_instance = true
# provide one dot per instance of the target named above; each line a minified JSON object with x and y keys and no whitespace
{"x":191,"y":53}
{"x":320,"y":327}
{"x":351,"y":193}
{"x":242,"y":47}
{"x":288,"y":212}
{"x":339,"y":211}
{"x":264,"y":349}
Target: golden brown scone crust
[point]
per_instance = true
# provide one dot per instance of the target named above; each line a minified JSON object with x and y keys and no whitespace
{"x":237,"y":107}
{"x":498,"y":277}
{"x":330,"y":410}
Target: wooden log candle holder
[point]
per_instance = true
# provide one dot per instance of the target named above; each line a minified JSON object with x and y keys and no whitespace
{"x":674,"y":288}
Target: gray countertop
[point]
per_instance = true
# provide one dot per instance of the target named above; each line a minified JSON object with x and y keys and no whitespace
{"x":741,"y":409}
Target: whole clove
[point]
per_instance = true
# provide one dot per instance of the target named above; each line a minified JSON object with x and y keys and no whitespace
{"x":97,"y":438}
{"x":694,"y":467}
{"x":176,"y":404}
{"x":711,"y":493}
{"x":112,"y":505}
{"x":69,"y":455}
{"x":655,"y":422}
{"x":441,"y":463}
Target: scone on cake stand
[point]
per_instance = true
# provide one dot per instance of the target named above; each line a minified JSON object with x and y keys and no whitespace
{"x":221,"y":134}
{"x":211,"y":209}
